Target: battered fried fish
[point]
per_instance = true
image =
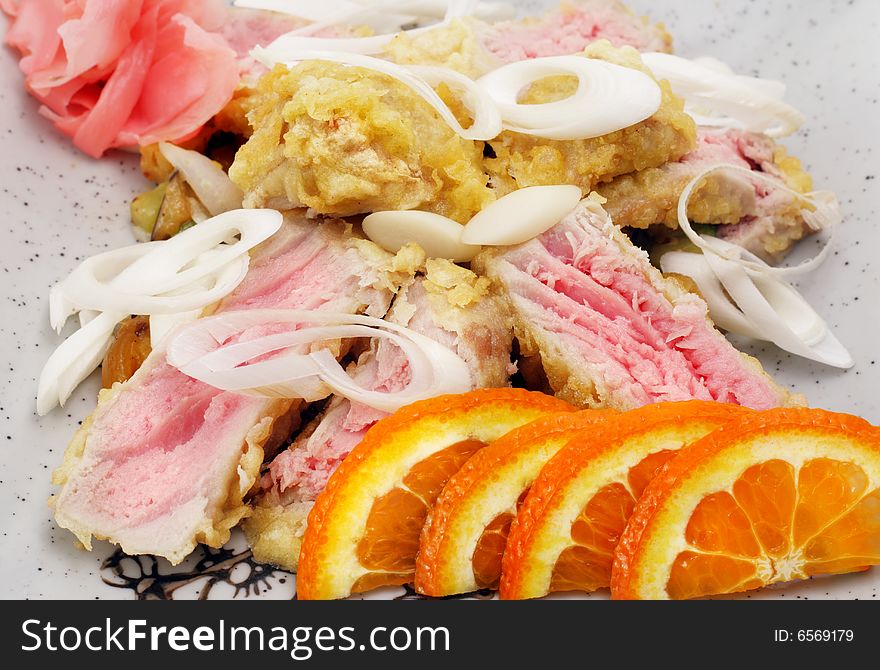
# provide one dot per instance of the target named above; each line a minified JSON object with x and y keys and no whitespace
{"x":523,"y":160}
{"x":346,"y":140}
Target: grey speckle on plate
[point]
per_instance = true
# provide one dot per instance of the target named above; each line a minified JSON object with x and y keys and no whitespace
{"x":57,"y":206}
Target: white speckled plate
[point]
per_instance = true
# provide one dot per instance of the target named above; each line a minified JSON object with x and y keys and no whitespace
{"x":58,"y":206}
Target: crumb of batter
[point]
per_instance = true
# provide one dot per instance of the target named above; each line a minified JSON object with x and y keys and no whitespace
{"x":458,"y":285}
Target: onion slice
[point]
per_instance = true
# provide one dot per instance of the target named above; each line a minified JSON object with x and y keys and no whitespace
{"x":724,"y":313}
{"x":397,"y":13}
{"x":173,"y":279}
{"x":747,"y":296}
{"x":168,"y":276}
{"x":717,"y":97}
{"x":823,"y":217}
{"x":211,"y":184}
{"x":207,"y":350}
{"x":759,"y":306}
{"x":74,"y":360}
{"x":609,"y":97}
{"x":162,"y":324}
{"x":521,"y":215}
{"x":486,"y":120}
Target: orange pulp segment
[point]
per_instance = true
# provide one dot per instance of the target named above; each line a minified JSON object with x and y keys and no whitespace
{"x":564,"y":536}
{"x":464,"y":539}
{"x":775,"y":496}
{"x":363,"y":531}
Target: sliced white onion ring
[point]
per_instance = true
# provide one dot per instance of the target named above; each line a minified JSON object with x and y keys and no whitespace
{"x":74,"y":360}
{"x":724,"y":313}
{"x":718,"y":97}
{"x":747,"y":296}
{"x":203,"y":351}
{"x":211,"y":184}
{"x":438,"y":235}
{"x":486,"y":121}
{"x":759,"y":306}
{"x":393,"y":14}
{"x":479,"y":105}
{"x":148,"y":278}
{"x":824,"y":217}
{"x":609,"y":97}
{"x":92,"y":287}
{"x":521,"y":215}
{"x":162,"y":324}
{"x":175,"y":278}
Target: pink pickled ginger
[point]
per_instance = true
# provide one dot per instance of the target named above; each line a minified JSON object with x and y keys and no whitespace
{"x":115,"y":73}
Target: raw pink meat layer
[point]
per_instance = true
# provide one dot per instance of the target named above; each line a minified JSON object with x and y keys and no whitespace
{"x":570,"y":29}
{"x":160,"y":457}
{"x":482,"y":339}
{"x":308,"y":464}
{"x":585,"y":288}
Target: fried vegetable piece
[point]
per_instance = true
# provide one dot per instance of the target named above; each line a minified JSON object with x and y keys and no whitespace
{"x":523,"y":160}
{"x":345,"y":140}
{"x":228,"y":129}
{"x":146,"y":206}
{"x":178,"y":210}
{"x":130,"y":347}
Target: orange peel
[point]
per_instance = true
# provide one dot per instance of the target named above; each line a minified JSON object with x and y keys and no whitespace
{"x":564,"y":536}
{"x":772,"y":497}
{"x":363,"y":531}
{"x":464,"y":539}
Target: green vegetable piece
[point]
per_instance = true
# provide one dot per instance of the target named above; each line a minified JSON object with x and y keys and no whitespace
{"x":145,"y":208}
{"x":705,"y":229}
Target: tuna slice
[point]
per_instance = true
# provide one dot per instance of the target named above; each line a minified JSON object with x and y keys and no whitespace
{"x":474,"y":47}
{"x":610,"y":330}
{"x":449,"y":304}
{"x":765,"y":220}
{"x":164,"y":461}
{"x":571,"y":28}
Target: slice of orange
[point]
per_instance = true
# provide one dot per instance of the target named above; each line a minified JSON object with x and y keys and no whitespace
{"x":466,"y":533}
{"x":775,"y":496}
{"x":363,"y":531}
{"x":564,"y":535}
